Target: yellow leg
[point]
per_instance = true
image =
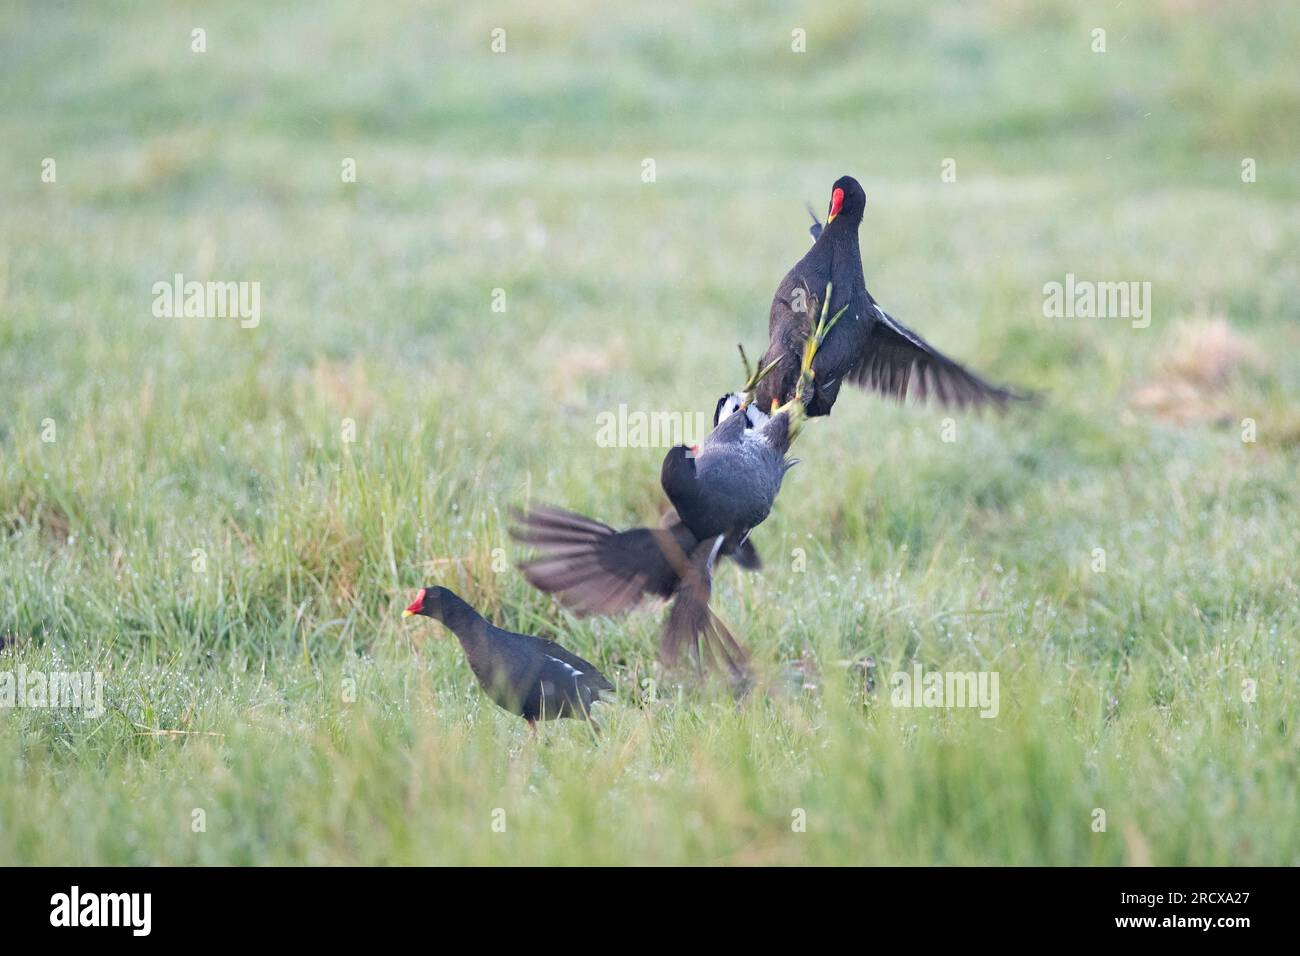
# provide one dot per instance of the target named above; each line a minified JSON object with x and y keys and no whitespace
{"x":812,"y":344}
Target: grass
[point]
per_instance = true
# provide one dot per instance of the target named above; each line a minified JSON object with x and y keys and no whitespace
{"x":318,"y":727}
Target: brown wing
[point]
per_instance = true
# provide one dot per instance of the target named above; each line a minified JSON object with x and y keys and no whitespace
{"x":593,"y":569}
{"x":896,"y":361}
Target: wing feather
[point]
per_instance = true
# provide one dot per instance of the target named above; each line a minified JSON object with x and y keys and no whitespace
{"x":895,"y":360}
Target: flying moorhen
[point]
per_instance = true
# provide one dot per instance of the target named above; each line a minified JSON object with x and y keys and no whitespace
{"x":868,"y":347}
{"x":529,"y":676}
{"x":720,"y":491}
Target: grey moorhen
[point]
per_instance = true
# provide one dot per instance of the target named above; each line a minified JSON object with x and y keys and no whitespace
{"x":720,"y":491}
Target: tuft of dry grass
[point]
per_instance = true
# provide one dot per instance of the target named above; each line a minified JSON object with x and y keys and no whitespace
{"x":1195,"y":371}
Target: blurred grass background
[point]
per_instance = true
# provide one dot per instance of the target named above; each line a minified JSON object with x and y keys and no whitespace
{"x":521,"y":171}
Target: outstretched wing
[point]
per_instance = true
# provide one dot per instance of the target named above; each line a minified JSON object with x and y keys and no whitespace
{"x":594,"y":569}
{"x":896,"y":361}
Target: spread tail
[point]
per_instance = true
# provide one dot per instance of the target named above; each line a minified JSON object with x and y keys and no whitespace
{"x":693,"y":624}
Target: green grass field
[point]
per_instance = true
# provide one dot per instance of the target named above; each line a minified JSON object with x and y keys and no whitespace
{"x":179,"y":509}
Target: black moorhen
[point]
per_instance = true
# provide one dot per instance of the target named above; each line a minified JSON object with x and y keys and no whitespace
{"x":529,"y":676}
{"x":868,"y":347}
{"x":720,"y":491}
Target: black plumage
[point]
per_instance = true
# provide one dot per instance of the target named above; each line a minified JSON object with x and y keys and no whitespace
{"x":525,"y":675}
{"x":867,"y":346}
{"x":720,"y":491}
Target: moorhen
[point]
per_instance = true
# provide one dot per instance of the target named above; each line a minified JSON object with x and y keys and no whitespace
{"x":720,"y":491}
{"x":529,"y":676}
{"x":867,"y":346}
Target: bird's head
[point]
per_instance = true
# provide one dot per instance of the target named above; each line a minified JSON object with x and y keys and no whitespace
{"x":847,"y":200}
{"x":429,"y":602}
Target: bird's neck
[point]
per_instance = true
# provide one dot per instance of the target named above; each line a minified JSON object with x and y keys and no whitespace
{"x":843,"y":236}
{"x":839,"y":241}
{"x":465,"y":622}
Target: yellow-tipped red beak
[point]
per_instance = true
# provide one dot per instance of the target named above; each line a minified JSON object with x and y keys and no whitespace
{"x":416,"y":606}
{"x":837,"y":202}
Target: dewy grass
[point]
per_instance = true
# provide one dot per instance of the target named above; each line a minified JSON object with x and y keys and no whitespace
{"x":225,"y":523}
